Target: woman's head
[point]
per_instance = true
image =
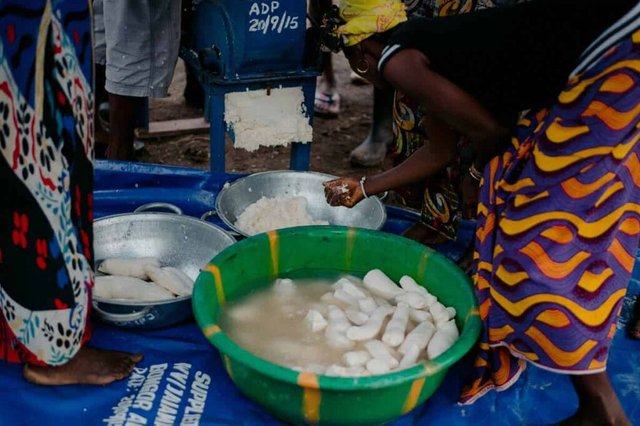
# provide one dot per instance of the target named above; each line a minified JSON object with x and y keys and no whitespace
{"x":364,"y":18}
{"x":363,"y":29}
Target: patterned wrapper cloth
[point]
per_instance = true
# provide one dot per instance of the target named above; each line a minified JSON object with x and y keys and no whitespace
{"x":46,"y":175}
{"x":558,"y":227}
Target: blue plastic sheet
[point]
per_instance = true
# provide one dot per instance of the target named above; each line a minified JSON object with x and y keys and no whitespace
{"x":181,"y":379}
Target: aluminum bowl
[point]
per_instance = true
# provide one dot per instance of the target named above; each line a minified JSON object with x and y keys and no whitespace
{"x":181,"y":241}
{"x":235,"y":198}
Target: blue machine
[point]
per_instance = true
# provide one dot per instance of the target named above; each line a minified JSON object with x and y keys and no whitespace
{"x":240,"y":45}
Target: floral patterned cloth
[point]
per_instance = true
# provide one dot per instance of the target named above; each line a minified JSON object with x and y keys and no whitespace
{"x":46,"y":173}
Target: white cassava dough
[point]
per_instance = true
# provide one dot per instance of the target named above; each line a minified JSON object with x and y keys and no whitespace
{"x":126,"y":280}
{"x":267,"y":214}
{"x":260,"y":119}
{"x":319,"y":327}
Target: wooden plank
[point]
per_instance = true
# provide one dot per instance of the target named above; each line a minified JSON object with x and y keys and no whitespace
{"x":160,"y":129}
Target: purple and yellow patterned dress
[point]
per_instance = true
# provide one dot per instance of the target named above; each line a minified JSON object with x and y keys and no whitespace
{"x":559,"y":221}
{"x":46,"y":176}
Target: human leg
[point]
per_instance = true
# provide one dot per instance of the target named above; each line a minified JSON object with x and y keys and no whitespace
{"x":373,"y":149}
{"x":101,"y":96}
{"x":193,"y":92}
{"x":122,"y":113}
{"x":101,"y":121}
{"x":597,"y":402}
{"x":142,"y":43}
{"x":327,"y":100}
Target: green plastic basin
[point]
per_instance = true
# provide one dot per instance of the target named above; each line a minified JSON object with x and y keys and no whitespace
{"x":309,"y":251}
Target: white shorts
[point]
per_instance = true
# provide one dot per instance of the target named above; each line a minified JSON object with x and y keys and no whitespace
{"x":138,"y":41}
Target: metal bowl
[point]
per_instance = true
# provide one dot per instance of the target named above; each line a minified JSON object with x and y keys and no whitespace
{"x":235,"y":198}
{"x":181,"y":241}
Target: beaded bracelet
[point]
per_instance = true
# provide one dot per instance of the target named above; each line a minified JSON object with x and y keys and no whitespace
{"x":362,"y":181}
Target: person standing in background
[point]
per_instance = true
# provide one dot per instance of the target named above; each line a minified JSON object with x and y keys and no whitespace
{"x":138,"y":43}
{"x":327,"y":98}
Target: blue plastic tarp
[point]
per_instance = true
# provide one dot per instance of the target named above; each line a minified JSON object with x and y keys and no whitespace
{"x":182,"y":381}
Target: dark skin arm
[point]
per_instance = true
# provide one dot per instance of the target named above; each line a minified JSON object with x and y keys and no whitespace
{"x":409,"y":72}
{"x":452,"y":111}
{"x":449,"y":103}
{"x":426,"y":161}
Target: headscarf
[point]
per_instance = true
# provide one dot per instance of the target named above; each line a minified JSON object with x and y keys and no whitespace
{"x":363,"y":18}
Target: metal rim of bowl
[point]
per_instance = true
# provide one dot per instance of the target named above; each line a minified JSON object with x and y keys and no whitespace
{"x":469,"y":335}
{"x":227,"y":222}
{"x":138,"y":303}
{"x":142,"y":304}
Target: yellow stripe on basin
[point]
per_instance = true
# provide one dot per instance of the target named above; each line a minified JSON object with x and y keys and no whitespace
{"x":422,"y":266}
{"x":413,"y":396}
{"x":470,"y":314}
{"x":311,"y":397}
{"x":227,"y":365}
{"x":215,"y":271}
{"x":274,"y":250}
{"x":210,"y":330}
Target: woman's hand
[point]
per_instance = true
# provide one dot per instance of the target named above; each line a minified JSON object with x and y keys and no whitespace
{"x":343,"y":192}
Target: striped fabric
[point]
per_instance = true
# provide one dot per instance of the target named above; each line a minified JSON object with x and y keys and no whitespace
{"x":559,"y":221}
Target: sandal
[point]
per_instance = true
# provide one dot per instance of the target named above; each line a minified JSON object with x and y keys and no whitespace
{"x":326,"y":105}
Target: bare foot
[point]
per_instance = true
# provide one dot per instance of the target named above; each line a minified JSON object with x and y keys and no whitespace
{"x":370,"y":152}
{"x":373,"y":149}
{"x":598,"y":403}
{"x":90,"y":366}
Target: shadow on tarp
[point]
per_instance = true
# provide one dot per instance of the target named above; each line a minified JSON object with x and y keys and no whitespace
{"x":182,"y":380}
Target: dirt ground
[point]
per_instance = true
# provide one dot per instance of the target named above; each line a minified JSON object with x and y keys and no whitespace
{"x":333,"y":139}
